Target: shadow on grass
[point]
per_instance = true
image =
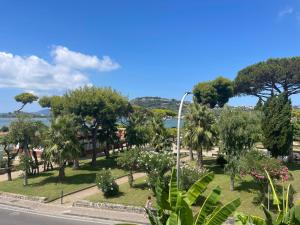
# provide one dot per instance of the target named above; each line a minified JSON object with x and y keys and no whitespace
{"x":247,"y":186}
{"x":212,"y":166}
{"x":102,"y":162}
{"x":120,"y":194}
{"x":142,"y":186}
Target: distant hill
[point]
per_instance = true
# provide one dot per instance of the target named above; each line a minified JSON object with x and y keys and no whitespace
{"x":43,"y":112}
{"x":159,"y":103}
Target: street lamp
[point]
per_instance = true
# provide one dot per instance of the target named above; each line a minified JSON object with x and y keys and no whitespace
{"x":178,"y":136}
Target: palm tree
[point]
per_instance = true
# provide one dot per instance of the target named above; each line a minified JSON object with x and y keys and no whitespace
{"x":159,"y":135}
{"x":62,"y":142}
{"x":201,"y":133}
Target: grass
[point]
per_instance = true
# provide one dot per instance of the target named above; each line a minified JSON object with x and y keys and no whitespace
{"x":245,"y":188}
{"x":135,"y":196}
{"x":45,"y":184}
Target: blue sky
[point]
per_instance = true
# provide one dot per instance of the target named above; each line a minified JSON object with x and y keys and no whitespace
{"x":150,"y":48}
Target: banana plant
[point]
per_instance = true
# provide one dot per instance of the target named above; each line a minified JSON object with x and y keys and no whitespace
{"x":285,"y":215}
{"x":175,"y":206}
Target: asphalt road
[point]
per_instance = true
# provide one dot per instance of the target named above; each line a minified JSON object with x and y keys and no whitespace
{"x":18,"y":216}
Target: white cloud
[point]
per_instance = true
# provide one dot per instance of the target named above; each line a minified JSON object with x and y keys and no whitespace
{"x":77,"y":60}
{"x":286,"y":11}
{"x":67,"y":71}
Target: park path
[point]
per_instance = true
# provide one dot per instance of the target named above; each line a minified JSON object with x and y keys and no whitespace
{"x":16,"y":174}
{"x":80,"y":195}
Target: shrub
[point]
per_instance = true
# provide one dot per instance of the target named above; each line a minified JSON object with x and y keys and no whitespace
{"x":155,"y":165}
{"x":106,"y":182}
{"x":129,"y":162}
{"x":221,"y":161}
{"x":189,"y":175}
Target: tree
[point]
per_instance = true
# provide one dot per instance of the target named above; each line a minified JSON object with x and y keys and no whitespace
{"x":96,"y":108}
{"x":55,"y":103}
{"x":201,"y":133}
{"x":159,"y":136}
{"x":62,"y":144}
{"x":137,"y":131}
{"x":276,"y":125}
{"x":269,"y":78}
{"x":10,"y":154}
{"x":25,"y":98}
{"x":129,"y":161}
{"x":175,"y":207}
{"x":238,"y":131}
{"x":212,"y":93}
{"x":26,"y":133}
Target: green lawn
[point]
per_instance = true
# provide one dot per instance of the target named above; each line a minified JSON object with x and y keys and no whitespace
{"x":135,"y":196}
{"x":45,"y":184}
{"x":245,"y":188}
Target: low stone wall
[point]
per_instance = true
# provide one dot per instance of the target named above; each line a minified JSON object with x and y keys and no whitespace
{"x":109,"y":206}
{"x":23,"y":197}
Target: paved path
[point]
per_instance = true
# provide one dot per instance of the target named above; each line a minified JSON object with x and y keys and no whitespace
{"x":69,"y":199}
{"x":16,"y":174}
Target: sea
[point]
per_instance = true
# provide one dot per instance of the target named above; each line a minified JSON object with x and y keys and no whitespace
{"x":169,"y":123}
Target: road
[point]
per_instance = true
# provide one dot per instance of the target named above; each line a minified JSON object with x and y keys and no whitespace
{"x":10,"y":215}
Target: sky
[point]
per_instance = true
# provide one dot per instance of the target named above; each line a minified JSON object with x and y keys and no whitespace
{"x":138,"y":47}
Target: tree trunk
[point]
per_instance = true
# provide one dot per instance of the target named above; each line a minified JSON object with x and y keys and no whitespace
{"x":94,"y":145}
{"x":130,"y":179}
{"x":191,"y":154}
{"x":61,"y":174}
{"x":25,"y":181}
{"x":199,"y":158}
{"x":76,"y":164}
{"x":106,"y":150}
{"x":8,"y":171}
{"x":290,"y":156}
{"x":231,"y":182}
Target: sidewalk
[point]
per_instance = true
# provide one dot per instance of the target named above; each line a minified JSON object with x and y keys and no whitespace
{"x":56,"y":209}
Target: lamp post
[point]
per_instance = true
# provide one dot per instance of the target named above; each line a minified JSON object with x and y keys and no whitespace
{"x":178,"y":136}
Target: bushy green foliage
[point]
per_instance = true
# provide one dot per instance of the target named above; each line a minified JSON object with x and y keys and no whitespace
{"x":189,"y":175}
{"x":200,"y":132}
{"x":212,"y":93}
{"x":269,"y":78}
{"x":159,"y":136}
{"x":155,"y":164}
{"x":276,"y":125}
{"x":137,"y":129}
{"x":25,"y":98}
{"x":128,"y":160}
{"x":238,"y":131}
{"x":221,"y":161}
{"x":4,"y":129}
{"x":106,"y":182}
{"x":164,"y":112}
{"x":255,"y":163}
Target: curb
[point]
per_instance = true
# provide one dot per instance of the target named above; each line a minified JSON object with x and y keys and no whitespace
{"x":109,"y":206}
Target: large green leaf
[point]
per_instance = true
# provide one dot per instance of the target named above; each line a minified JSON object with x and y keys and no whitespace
{"x":197,"y":188}
{"x":152,"y":218}
{"x":184,"y":211}
{"x":208,"y":206}
{"x":162,"y":196}
{"x":275,"y":196}
{"x":243,"y":219}
{"x":258,"y":220}
{"x":173,"y":190}
{"x":173,"y":219}
{"x":269,"y":219}
{"x":224,"y":212}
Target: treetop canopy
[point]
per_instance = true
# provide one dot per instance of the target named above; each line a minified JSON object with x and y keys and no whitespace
{"x":268,"y":78}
